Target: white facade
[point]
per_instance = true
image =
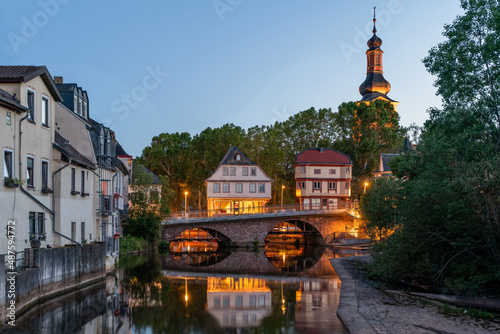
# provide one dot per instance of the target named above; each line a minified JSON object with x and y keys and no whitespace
{"x":27,"y":156}
{"x":237,"y":186}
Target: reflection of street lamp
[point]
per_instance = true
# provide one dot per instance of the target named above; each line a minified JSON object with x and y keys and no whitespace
{"x":186,"y":293}
{"x":366,"y":185}
{"x":185,"y":202}
{"x":282,"y":187}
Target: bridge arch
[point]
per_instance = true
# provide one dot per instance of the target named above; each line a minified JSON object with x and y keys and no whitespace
{"x":251,"y":230}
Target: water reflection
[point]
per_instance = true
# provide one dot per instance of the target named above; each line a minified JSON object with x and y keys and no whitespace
{"x":284,"y":289}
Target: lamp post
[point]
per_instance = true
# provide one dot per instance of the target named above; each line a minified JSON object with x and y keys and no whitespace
{"x":366,"y":185}
{"x":185,"y":203}
{"x":282,"y":187}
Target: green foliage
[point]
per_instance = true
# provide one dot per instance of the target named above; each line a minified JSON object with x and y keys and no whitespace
{"x":132,"y":244}
{"x":448,"y":212}
{"x":163,"y":247}
{"x":144,"y":224}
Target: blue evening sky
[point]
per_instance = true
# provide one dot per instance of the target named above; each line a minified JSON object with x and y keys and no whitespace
{"x":158,"y":66}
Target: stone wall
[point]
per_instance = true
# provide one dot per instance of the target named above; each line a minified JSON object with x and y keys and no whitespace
{"x":55,"y":271}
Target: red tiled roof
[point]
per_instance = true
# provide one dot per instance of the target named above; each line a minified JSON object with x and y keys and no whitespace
{"x":322,"y":156}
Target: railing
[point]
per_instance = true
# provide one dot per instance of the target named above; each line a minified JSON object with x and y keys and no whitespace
{"x":21,"y":260}
{"x":271,"y":209}
{"x":105,"y":204}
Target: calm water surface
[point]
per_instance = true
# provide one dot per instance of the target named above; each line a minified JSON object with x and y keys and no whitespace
{"x":282,"y":289}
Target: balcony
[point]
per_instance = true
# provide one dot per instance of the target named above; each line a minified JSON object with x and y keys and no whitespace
{"x":105,"y":204}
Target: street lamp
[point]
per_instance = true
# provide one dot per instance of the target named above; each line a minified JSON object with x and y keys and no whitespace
{"x":366,"y":185}
{"x":282,"y":187}
{"x":185,"y":203}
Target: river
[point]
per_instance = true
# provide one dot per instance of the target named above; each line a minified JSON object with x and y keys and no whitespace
{"x":280,"y":289}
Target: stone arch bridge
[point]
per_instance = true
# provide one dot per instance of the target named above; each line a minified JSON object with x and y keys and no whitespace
{"x":249,"y":230}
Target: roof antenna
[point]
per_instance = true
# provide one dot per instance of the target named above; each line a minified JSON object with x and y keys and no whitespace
{"x":374,"y":20}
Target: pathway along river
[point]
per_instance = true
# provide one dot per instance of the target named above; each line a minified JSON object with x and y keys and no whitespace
{"x":282,"y":289}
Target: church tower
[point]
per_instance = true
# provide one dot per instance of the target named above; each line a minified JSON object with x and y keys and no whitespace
{"x":375,"y":86}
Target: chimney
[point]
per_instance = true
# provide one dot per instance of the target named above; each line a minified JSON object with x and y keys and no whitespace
{"x":58,"y":80}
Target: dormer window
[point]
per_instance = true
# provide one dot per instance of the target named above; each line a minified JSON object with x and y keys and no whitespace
{"x":238,"y":157}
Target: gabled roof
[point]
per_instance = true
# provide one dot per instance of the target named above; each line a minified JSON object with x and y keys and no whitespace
{"x":64,"y":146}
{"x":17,"y":74}
{"x":10,"y":101}
{"x":120,"y":151}
{"x":321,"y":155}
{"x":231,"y":158}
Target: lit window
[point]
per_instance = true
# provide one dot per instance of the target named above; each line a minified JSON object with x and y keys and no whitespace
{"x":30,"y":172}
{"x":239,"y":187}
{"x":253,"y":171}
{"x":216,"y":187}
{"x":225,"y":171}
{"x":45,"y":111}
{"x":244,"y":171}
{"x":225,"y":187}
{"x":232,"y":171}
{"x":252,"y":187}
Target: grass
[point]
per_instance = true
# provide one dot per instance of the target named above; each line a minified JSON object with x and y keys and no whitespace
{"x":473,"y":312}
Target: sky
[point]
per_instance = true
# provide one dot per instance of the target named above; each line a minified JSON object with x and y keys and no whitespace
{"x":165,"y":66}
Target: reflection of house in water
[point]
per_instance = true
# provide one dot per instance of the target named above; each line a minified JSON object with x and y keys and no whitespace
{"x":316,"y":293}
{"x":238,"y":302}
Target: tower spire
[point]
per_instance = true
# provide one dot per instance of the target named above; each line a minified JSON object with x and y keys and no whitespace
{"x":374,"y":20}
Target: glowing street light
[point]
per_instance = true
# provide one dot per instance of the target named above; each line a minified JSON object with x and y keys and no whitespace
{"x":366,"y":185}
{"x":282,"y":188}
{"x":185,"y":203}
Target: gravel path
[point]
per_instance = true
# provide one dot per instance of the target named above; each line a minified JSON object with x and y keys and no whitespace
{"x":368,"y":307}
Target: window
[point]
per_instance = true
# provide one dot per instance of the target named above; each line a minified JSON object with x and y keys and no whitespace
{"x":303,"y":184}
{"x":45,"y":111}
{"x":244,"y":318}
{"x":253,"y":301}
{"x":317,"y":185}
{"x":8,"y":163}
{"x":262,"y":300}
{"x":73,"y":230}
{"x":73,"y":180}
{"x":331,"y":185}
{"x":225,"y":302}
{"x":31,"y":105}
{"x":83,"y":182}
{"x":83,"y":232}
{"x":216,"y":302}
{"x":262,"y":187}
{"x":347,"y":170}
{"x":37,"y":225}
{"x":30,"y":172}
{"x":347,"y":184}
{"x":84,"y":110}
{"x":239,"y":187}
{"x":317,"y":171}
{"x":79,"y":106}
{"x":252,"y":187}
{"x":8,"y":118}
{"x":298,"y":185}
{"x":225,"y":171}
{"x":239,"y":301}
{"x":216,"y":187}
{"x":244,"y":171}
{"x":303,"y":169}
{"x":155,"y":197}
{"x":238,"y":157}
{"x":225,"y":187}
{"x":315,"y":203}
{"x":253,"y":171}
{"x":45,"y":174}
{"x":232,"y":171}
{"x":333,"y":171}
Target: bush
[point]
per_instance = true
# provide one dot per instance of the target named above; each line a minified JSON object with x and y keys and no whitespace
{"x":130,"y":244}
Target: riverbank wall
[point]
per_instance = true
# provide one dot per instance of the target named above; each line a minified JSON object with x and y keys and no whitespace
{"x":45,"y":273}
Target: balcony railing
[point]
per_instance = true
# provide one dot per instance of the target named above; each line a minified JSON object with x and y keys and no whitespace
{"x":105,"y":204}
